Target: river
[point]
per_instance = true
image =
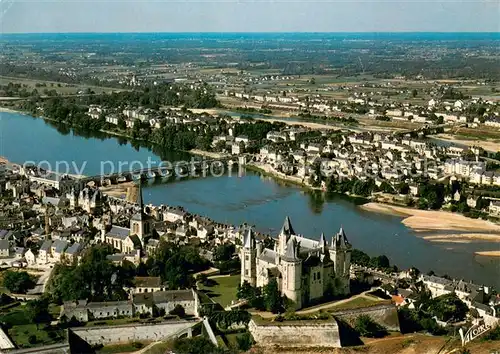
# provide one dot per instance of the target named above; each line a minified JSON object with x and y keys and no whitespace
{"x":252,"y":198}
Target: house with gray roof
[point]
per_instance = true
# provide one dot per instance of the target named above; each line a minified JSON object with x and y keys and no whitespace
{"x":117,"y":236}
{"x":166,"y":300}
{"x":44,"y":252}
{"x":85,"y":311}
{"x":72,"y":252}
{"x":4,"y":248}
{"x":57,"y":250}
{"x":147,"y":285}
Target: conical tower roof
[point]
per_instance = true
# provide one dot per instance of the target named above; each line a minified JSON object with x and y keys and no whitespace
{"x":322,"y":240}
{"x":287,"y":228}
{"x":292,"y":250}
{"x":340,"y":240}
{"x":249,"y":238}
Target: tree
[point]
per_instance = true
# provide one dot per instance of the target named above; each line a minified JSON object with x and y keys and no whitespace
{"x":224,"y":252}
{"x":448,"y":307}
{"x":245,"y":291}
{"x":366,"y":327}
{"x":121,"y":123}
{"x":245,"y":341}
{"x":38,"y":311}
{"x":178,"y":310}
{"x":360,"y":257}
{"x":17,"y":282}
{"x":95,"y":278}
{"x":380,"y":262}
{"x":272,"y":296}
{"x":195,"y":345}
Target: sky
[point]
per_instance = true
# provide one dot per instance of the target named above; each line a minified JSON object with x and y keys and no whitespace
{"x":29,"y":16}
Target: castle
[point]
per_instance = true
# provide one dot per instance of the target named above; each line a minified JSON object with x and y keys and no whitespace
{"x":306,"y":270}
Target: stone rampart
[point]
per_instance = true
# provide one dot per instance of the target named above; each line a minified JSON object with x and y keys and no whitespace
{"x":385,"y":315}
{"x":296,"y":334}
{"x":134,"y":332}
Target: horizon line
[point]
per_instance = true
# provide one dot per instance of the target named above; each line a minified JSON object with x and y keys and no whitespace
{"x":259,"y":32}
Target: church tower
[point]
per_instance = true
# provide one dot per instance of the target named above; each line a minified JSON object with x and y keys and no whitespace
{"x":340,"y":253}
{"x":284,"y":235}
{"x":291,"y":270}
{"x":139,"y":224}
{"x":249,"y":258}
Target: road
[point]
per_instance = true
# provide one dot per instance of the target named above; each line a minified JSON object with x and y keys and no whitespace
{"x":42,"y":282}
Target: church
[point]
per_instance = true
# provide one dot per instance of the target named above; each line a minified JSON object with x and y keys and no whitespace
{"x":128,"y":240}
{"x":306,"y":270}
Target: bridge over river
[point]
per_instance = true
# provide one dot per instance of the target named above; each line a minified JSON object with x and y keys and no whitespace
{"x":199,"y":168}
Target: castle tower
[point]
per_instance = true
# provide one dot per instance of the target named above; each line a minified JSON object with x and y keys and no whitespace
{"x":284,"y":235}
{"x":249,"y":258}
{"x":340,"y":253}
{"x":84,"y":199}
{"x":291,"y":271}
{"x":96,"y":202}
{"x":139,"y":223}
{"x":73,"y":198}
{"x":322,"y":243}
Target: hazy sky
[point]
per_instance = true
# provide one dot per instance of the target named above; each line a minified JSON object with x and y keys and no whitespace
{"x":248,"y":16}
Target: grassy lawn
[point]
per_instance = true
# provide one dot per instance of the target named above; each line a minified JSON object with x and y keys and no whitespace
{"x":122,"y":348}
{"x":160,"y":348}
{"x":112,"y":322}
{"x":15,"y":316}
{"x":224,"y":291}
{"x":20,"y":329}
{"x":358,"y":302}
{"x":20,"y":334}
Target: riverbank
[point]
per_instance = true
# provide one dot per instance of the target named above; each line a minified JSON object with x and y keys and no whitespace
{"x":441,"y":226}
{"x":212,"y":155}
{"x":269,"y":171}
{"x":488,"y":253}
{"x":489,"y":145}
{"x":9,"y":110}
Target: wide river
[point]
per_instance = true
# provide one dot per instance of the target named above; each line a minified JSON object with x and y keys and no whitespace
{"x":251,"y":198}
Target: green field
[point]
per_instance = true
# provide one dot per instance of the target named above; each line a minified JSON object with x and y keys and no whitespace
{"x":44,"y":335}
{"x":62,"y":88}
{"x":20,"y":329}
{"x":224,"y":291}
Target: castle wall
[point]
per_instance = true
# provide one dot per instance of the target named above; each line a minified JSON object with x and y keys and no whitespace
{"x":385,"y":315}
{"x":328,"y":278}
{"x":129,"y":333}
{"x":297,"y":334}
{"x":316,"y":279}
